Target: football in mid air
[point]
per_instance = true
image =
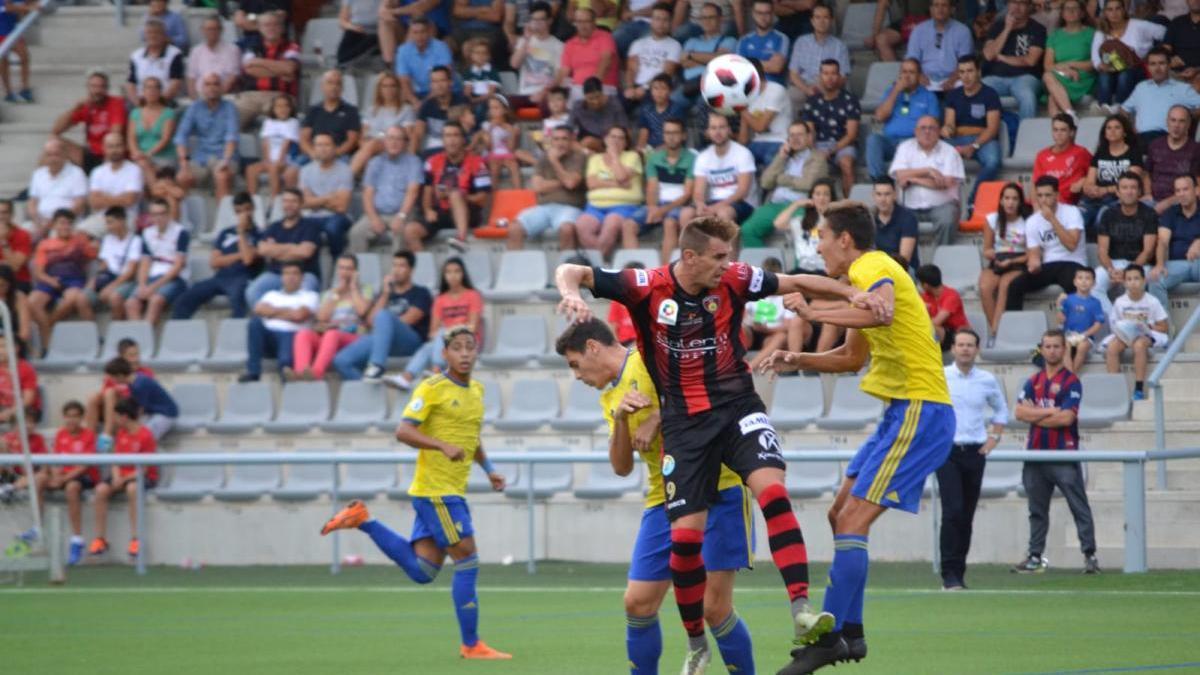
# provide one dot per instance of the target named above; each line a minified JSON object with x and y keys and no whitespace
{"x":730,"y":84}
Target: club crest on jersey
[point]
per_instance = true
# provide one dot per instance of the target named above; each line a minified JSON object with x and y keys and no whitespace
{"x":416,"y":404}
{"x":668,"y":312}
{"x":668,"y":465}
{"x":712,"y":303}
{"x":1055,"y":389}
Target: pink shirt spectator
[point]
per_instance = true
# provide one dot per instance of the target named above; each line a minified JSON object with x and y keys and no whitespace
{"x":225,"y":60}
{"x":583,"y":58}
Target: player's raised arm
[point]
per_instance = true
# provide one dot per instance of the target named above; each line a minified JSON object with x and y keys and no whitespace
{"x":570,"y":279}
{"x":867,"y":310}
{"x":850,"y":357}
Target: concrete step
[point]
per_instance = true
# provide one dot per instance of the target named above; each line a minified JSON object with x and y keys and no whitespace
{"x":1175,"y":408}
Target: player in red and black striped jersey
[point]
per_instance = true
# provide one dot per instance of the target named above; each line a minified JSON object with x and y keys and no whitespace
{"x":688,"y":317}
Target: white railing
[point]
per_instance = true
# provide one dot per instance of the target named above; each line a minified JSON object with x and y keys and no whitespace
{"x":1133,"y":462}
{"x":44,"y":7}
{"x":1160,"y":410}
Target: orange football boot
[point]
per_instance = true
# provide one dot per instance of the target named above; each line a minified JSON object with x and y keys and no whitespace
{"x":134,"y":548}
{"x":98,"y":546}
{"x":352,"y":516}
{"x":482,"y":652}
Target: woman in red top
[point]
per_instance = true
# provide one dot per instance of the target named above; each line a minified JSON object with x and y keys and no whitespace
{"x":457,"y":303}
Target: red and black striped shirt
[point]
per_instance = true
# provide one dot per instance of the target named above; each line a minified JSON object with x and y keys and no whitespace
{"x":692,"y":344}
{"x":1063,"y":391}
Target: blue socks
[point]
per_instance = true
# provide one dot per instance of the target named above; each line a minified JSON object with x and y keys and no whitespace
{"x":400,"y":551}
{"x":733,"y":640}
{"x":466,"y":604}
{"x":643,"y":644}
{"x":847,"y":579}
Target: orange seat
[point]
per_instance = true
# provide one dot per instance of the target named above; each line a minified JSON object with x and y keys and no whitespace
{"x":987,"y":199}
{"x":506,"y":204}
{"x":529,"y":114}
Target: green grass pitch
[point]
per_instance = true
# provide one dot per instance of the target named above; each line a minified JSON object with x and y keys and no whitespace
{"x":569,"y":620}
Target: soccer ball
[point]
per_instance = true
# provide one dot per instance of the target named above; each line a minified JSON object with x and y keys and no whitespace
{"x":730,"y":84}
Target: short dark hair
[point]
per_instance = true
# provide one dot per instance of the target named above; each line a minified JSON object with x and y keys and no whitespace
{"x":662,"y":78}
{"x":159,"y":201}
{"x":662,"y":7}
{"x":408,"y":257}
{"x":1188,"y":176}
{"x":696,"y":235}
{"x":63,"y":213}
{"x":291,"y":263}
{"x":915,"y":61}
{"x":1131,"y":268}
{"x":242,"y":199}
{"x":424,"y":22}
{"x":1046,"y":181}
{"x":295,"y":192}
{"x":675,"y":120}
{"x":855,"y":219}
{"x":454,"y":125}
{"x":1067,"y":120}
{"x":884,"y":180}
{"x":1086,"y":270}
{"x":772,"y":264}
{"x":443,"y":70}
{"x":832,"y":62}
{"x":115,"y":212}
{"x":126,"y":343}
{"x":720,"y":11}
{"x":576,"y":336}
{"x":592,"y":85}
{"x":541,"y":7}
{"x":118,"y":367}
{"x":971,"y":58}
{"x":558,"y":91}
{"x":967,"y":331}
{"x":930,"y":274}
{"x":349,"y":256}
{"x":129,"y":408}
{"x":72,"y":405}
{"x":1056,"y":333}
{"x":1158,"y":51}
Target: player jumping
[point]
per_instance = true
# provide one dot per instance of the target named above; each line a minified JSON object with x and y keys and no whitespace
{"x":630,"y":405}
{"x":442,"y":420}
{"x":688,"y":317}
{"x":911,"y":441}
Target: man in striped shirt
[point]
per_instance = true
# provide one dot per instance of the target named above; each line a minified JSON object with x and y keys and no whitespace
{"x":1050,"y":404}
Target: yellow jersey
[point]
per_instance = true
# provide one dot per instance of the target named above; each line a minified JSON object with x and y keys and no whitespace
{"x":906,"y":361}
{"x":634,"y":376}
{"x":452,"y":412}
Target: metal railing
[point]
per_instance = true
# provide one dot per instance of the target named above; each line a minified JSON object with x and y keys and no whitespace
{"x":1134,"y":486}
{"x":44,"y":7}
{"x":1154,"y":382}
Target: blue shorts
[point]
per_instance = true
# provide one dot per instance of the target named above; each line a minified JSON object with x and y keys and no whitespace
{"x":56,"y":293}
{"x":170,"y":290}
{"x":547,"y":218}
{"x":728,"y":538}
{"x":446,"y":519}
{"x":912,"y":441}
{"x":602,"y":212}
{"x":639,"y":217}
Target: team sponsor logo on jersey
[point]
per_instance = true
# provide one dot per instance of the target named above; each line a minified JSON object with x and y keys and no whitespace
{"x":694,"y":348}
{"x":756,"y":280}
{"x":641,"y":278}
{"x":712,"y":303}
{"x":668,"y":312}
{"x":754,"y":422}
{"x":668,"y":465}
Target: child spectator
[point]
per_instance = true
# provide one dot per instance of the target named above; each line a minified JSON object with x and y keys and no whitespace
{"x":338,"y":318}
{"x":120,"y":251}
{"x":618,"y":316}
{"x":280,"y":143}
{"x":165,"y":185}
{"x":655,"y":111}
{"x":132,"y":438}
{"x":480,"y":81}
{"x":559,"y":116}
{"x":944,"y":304}
{"x":146,"y":393}
{"x":457,"y":304}
{"x":163,"y":267}
{"x":127,"y":349}
{"x":502,"y":139}
{"x":60,"y":266}
{"x":1139,"y":321}
{"x":1081,"y":316}
{"x":18,"y":308}
{"x":17,"y":481}
{"x":767,"y":325}
{"x":74,"y":439}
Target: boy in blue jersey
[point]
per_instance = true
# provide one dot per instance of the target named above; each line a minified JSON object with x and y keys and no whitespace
{"x":888,"y":324}
{"x":442,"y":421}
{"x":1081,"y":316}
{"x":630,"y":404}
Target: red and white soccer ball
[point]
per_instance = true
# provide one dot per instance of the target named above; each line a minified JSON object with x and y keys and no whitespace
{"x":730,"y":84}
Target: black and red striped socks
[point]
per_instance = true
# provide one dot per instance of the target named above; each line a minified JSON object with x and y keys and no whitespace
{"x":786,"y":542}
{"x":690,"y":579}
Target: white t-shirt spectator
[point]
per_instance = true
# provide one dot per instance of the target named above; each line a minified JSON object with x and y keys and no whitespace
{"x":116,"y":254}
{"x":722,"y":172}
{"x":283,"y":300}
{"x":653,"y":55}
{"x":164,"y":247}
{"x":776,"y":99}
{"x":57,"y":192}
{"x":943,"y":157}
{"x":112,"y":181}
{"x":1147,"y":311}
{"x":1039,"y":233}
{"x":275,"y":132}
{"x":538,"y":68}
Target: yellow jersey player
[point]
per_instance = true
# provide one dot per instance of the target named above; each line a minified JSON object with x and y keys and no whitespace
{"x":442,"y":421}
{"x":630,"y":405}
{"x":888,"y":323}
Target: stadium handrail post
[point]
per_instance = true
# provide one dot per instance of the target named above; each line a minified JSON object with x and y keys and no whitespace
{"x":6,"y":325}
{"x":44,"y":7}
{"x":531,"y":565}
{"x":336,"y":566}
{"x":1160,"y":410}
{"x":140,"y":524}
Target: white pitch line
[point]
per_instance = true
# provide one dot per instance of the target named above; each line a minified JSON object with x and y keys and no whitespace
{"x":152,"y":590}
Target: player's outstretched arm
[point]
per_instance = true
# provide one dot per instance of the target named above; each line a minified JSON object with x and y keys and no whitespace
{"x":409,"y":434}
{"x":880,"y":302}
{"x":867,"y":310}
{"x":850,"y":357}
{"x":569,"y":279}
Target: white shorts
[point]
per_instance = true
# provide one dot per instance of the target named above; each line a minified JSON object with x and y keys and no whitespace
{"x":1158,"y":340}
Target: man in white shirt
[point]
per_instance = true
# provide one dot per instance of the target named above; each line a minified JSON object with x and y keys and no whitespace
{"x":56,"y":184}
{"x":536,"y":56}
{"x":278,"y":316}
{"x":1139,"y":322}
{"x":724,"y":172}
{"x":163,"y":269}
{"x":116,"y":182}
{"x":1054,"y":240}
{"x":214,"y":55}
{"x":120,"y":253}
{"x":929,"y":171}
{"x":767,"y":119}
{"x":655,"y":53}
{"x":960,"y":478}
